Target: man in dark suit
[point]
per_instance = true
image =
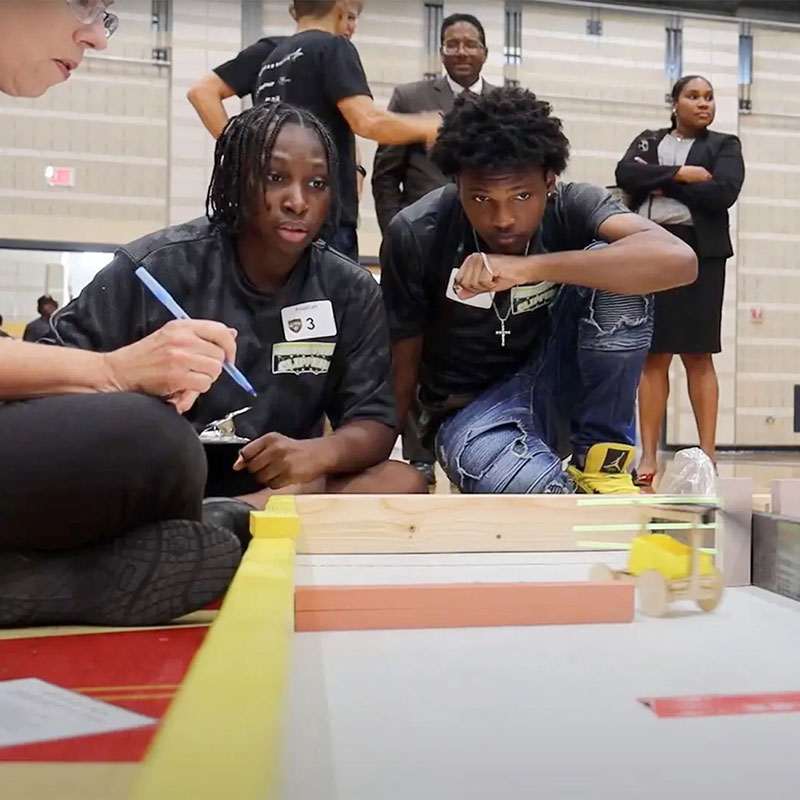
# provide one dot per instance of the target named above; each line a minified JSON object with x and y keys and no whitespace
{"x":402,"y":175}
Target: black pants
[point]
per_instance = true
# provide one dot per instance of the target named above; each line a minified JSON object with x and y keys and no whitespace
{"x":75,"y":469}
{"x":413,"y":449}
{"x":222,"y":480}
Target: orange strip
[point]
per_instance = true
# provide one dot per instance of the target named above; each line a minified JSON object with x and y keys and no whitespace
{"x":461,"y":605}
{"x":130,"y":688}
{"x":108,"y":697}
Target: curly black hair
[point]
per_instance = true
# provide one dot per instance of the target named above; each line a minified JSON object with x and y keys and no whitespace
{"x":503,"y":128}
{"x":241,"y":163}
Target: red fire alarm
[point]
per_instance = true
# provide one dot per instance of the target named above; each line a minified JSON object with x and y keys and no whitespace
{"x":756,"y":315}
{"x":59,"y":176}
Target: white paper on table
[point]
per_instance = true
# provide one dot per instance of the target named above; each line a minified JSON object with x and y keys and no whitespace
{"x":33,"y":710}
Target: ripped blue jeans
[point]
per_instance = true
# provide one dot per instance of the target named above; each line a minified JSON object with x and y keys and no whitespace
{"x":587,"y":368}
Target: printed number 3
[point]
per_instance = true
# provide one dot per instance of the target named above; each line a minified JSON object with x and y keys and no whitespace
{"x":310,"y":323}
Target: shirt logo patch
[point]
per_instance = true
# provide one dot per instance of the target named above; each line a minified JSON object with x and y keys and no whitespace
{"x":300,"y":358}
{"x":525,"y":299}
{"x":644,"y":145}
{"x":295,"y":325}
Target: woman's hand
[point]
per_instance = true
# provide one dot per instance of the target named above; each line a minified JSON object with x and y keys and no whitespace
{"x":177,"y":362}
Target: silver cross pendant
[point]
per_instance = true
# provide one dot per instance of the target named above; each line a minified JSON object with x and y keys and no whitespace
{"x":502,"y":333}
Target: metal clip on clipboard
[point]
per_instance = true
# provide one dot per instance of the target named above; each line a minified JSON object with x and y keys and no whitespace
{"x":223,"y":431}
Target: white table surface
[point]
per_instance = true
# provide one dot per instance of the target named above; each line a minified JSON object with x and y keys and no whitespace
{"x":544,"y":712}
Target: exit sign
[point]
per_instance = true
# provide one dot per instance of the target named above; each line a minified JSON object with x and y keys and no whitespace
{"x":60,"y":176}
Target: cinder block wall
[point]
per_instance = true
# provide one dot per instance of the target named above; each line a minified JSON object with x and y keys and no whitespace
{"x":142,"y":160}
{"x":110,"y":122}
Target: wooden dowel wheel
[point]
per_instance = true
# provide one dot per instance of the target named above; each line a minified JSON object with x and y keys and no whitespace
{"x":716,"y":583}
{"x":600,"y":573}
{"x":653,"y":593}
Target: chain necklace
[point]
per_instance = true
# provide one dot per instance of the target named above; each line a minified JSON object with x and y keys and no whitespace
{"x":503,"y":332}
{"x":680,"y":137}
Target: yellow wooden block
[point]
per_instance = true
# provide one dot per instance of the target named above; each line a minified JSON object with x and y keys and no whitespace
{"x":279,"y":520}
{"x":221,"y":737}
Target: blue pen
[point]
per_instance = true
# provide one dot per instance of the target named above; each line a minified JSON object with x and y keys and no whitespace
{"x":168,"y":301}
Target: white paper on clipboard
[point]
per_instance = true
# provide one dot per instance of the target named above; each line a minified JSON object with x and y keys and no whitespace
{"x":33,"y":710}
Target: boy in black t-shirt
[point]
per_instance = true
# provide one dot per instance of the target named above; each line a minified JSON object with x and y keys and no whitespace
{"x":514,"y":302}
{"x":312,"y":334}
{"x":239,"y":75}
{"x":319,"y":69}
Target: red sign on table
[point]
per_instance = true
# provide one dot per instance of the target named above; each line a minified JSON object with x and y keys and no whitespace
{"x":717,"y":705}
{"x":139,"y":671}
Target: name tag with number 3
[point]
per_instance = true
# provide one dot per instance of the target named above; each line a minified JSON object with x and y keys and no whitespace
{"x":312,"y":320}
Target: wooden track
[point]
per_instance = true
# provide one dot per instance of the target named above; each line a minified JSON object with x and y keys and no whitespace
{"x":338,"y":524}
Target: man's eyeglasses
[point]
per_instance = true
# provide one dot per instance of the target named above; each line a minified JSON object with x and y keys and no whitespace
{"x":471,"y":47}
{"x":91,"y":11}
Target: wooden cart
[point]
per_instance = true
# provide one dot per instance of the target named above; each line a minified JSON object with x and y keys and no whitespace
{"x":666,"y":570}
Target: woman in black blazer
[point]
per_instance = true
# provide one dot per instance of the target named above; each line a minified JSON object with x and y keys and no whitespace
{"x":685,"y":177}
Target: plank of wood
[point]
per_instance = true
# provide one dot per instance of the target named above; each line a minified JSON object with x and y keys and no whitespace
{"x":340,"y":524}
{"x":686,"y":514}
{"x":734,"y":537}
{"x":461,"y":605}
{"x":785,"y":497}
{"x":762,"y":502}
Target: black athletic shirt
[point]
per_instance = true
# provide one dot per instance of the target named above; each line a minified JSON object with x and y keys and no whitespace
{"x":337,"y":364}
{"x":315,"y":70}
{"x":36,"y":330}
{"x":427,"y":242}
{"x":241,"y":72}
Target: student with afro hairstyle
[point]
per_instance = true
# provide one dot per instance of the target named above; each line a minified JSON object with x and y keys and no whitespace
{"x":517,"y":303}
{"x":312,"y":333}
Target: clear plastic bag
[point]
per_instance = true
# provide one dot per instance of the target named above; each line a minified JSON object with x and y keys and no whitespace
{"x":690,"y":472}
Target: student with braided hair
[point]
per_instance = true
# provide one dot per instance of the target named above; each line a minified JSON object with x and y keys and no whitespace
{"x":515,"y":301}
{"x":312,"y":333}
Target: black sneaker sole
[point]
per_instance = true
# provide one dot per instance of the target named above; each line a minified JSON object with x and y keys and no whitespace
{"x":428,"y":471}
{"x":150,"y":576}
{"x":227,"y":512}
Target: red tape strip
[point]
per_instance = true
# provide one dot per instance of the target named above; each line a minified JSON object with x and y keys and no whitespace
{"x":711,"y":705}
